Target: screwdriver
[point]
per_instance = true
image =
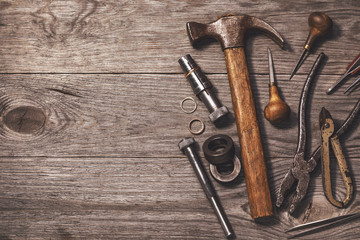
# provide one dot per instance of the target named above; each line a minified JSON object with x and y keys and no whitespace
{"x":319,"y":24}
{"x":352,"y":85}
{"x":277,"y":110}
{"x":353,"y":68}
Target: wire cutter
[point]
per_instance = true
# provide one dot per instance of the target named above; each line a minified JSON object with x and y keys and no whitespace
{"x":301,"y":168}
{"x":327,"y":136}
{"x":353,"y":68}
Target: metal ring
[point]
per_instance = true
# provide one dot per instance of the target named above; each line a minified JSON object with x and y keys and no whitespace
{"x":201,"y":130}
{"x":191,"y":71}
{"x":219,"y":149}
{"x":226,"y":178}
{"x":182,"y":105}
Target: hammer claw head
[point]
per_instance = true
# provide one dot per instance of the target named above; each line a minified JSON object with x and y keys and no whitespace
{"x":268,"y":30}
{"x":230,"y":30}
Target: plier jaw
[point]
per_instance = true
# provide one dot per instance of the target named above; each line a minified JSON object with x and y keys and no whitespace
{"x":326,"y":122}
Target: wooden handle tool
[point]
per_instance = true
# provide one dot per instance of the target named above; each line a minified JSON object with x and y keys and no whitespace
{"x":230,"y":30}
{"x":277,"y":111}
{"x":319,"y":24}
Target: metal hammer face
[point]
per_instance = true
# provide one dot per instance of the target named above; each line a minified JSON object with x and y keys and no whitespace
{"x":230,"y":30}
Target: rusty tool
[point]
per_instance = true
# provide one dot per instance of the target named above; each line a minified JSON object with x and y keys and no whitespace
{"x":186,"y":145}
{"x":319,"y":24}
{"x":230,"y":31}
{"x":301,"y":168}
{"x":351,"y":69}
{"x":327,"y":135}
{"x":276,"y":111}
{"x":322,"y":224}
{"x":300,"y":171}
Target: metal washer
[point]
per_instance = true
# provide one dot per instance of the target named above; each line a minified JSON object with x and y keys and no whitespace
{"x":201,"y":130}
{"x":226,"y":178}
{"x":182,"y":105}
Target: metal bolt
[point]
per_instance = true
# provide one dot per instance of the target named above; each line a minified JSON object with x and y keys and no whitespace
{"x":186,"y":145}
{"x":202,"y":88}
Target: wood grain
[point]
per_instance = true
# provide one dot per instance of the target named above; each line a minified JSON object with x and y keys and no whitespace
{"x":120,"y":198}
{"x":133,"y":36}
{"x":107,"y":115}
{"x":90,"y":118}
{"x":252,"y":153}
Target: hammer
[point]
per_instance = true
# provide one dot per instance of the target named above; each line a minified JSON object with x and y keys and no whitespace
{"x":230,"y":31}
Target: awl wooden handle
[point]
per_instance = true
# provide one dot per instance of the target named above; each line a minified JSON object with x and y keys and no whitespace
{"x":249,"y":134}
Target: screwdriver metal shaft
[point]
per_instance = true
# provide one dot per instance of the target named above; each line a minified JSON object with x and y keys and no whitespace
{"x":352,"y":85}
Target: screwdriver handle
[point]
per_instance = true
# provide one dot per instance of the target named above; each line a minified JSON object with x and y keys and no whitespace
{"x":319,"y":24}
{"x":355,"y":70}
{"x":277,"y":111}
{"x":353,"y":62}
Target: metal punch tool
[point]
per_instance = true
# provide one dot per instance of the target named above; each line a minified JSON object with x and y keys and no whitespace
{"x":302,"y":167}
{"x":353,"y":68}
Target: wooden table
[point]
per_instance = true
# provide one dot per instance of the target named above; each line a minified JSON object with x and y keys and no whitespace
{"x":90,"y":117}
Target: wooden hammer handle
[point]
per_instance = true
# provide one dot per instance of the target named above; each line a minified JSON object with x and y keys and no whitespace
{"x":249,"y":134}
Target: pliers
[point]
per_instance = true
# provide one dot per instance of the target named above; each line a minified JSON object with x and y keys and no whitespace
{"x":327,"y":136}
{"x":301,"y":168}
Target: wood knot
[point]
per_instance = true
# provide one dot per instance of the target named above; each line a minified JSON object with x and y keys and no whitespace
{"x":25,"y":119}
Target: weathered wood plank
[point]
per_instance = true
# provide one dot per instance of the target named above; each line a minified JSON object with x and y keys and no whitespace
{"x":93,"y":155}
{"x":109,"y":115}
{"x":121,"y":198}
{"x":149,"y":36}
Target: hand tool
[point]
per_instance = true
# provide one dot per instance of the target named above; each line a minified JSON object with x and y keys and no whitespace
{"x":327,"y":134}
{"x":319,"y":24}
{"x":202,"y":88}
{"x":351,"y":69}
{"x":301,"y":168}
{"x":219,"y":151}
{"x":277,"y":110}
{"x":352,"y":85}
{"x":182,"y":105}
{"x":186,"y":145}
{"x":201,"y":129}
{"x":322,"y":224}
{"x":230,"y":31}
